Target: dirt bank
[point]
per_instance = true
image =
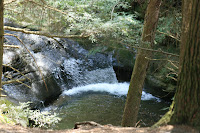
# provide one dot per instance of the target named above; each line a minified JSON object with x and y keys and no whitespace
{"x":91,"y":127}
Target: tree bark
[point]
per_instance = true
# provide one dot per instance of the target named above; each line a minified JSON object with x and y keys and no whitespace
{"x":187,"y":99}
{"x":140,"y":68}
{"x":1,"y":42}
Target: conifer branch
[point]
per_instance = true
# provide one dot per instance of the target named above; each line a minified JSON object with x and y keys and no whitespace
{"x":51,"y":8}
{"x":47,"y":6}
{"x":9,"y":2}
{"x":44,"y":34}
{"x":152,"y":50}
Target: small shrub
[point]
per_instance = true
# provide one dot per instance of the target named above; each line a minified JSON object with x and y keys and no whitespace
{"x":22,"y":114}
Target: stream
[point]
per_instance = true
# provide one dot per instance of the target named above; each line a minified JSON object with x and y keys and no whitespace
{"x":103,"y":103}
{"x":79,"y":86}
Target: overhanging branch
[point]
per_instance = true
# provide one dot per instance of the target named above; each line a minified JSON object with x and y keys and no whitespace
{"x":152,"y":50}
{"x":51,"y":8}
{"x":11,"y":46}
{"x":9,"y":2}
{"x":44,"y":34}
{"x":13,"y":81}
{"x":169,"y":35}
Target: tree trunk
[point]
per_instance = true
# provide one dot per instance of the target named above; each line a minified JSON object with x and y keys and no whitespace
{"x":1,"y":42}
{"x":141,"y":64}
{"x":187,"y":99}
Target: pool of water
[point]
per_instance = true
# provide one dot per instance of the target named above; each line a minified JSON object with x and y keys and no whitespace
{"x":103,"y":103}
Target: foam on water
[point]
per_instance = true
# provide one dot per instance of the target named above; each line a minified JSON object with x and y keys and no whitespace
{"x":119,"y":89}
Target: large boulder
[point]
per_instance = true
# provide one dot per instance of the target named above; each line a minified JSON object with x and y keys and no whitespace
{"x":46,"y":67}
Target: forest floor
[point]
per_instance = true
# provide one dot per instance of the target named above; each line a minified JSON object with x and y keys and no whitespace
{"x":97,"y":128}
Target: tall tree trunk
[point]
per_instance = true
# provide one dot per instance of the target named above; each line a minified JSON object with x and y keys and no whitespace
{"x":1,"y":42}
{"x":187,"y":99}
{"x":141,"y":64}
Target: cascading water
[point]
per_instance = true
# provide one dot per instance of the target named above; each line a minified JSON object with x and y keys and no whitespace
{"x":118,"y":89}
{"x":101,"y":98}
{"x":85,"y":86}
{"x":64,"y":65}
{"x":102,"y":103}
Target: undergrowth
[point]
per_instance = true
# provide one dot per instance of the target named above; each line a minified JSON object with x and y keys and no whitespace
{"x":22,"y":115}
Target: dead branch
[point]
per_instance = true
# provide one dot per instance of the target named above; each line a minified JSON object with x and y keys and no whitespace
{"x":17,"y":71}
{"x":13,"y":81}
{"x":9,"y":2}
{"x":111,"y":15}
{"x":17,"y":80}
{"x":169,"y":35}
{"x":31,"y":56}
{"x":170,"y":61}
{"x":152,"y":50}
{"x":3,"y":95}
{"x":168,"y":76}
{"x":11,"y":46}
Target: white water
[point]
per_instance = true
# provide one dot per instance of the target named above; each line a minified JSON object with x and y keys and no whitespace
{"x":119,"y":89}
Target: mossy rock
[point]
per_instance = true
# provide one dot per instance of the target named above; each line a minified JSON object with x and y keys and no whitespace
{"x":125,"y":58}
{"x":157,"y":87}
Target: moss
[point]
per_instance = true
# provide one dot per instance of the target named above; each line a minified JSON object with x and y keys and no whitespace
{"x":5,"y":101}
{"x":3,"y":117}
{"x":166,"y":118}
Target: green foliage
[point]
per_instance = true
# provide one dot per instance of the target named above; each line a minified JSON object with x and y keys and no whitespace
{"x":14,"y":114}
{"x":108,"y":26}
{"x":22,"y":114}
{"x":99,"y":19}
{"x":170,"y":25}
{"x":43,"y":119}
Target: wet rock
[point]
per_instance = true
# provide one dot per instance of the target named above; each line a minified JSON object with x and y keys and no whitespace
{"x":158,"y":88}
{"x":47,"y":66}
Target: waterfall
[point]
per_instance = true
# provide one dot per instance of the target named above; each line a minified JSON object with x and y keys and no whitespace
{"x":67,"y":69}
{"x":118,"y":89}
{"x":63,"y":66}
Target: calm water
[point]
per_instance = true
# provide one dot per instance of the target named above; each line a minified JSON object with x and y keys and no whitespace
{"x":104,"y":104}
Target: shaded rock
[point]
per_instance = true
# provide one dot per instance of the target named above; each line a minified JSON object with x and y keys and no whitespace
{"x":158,"y":88}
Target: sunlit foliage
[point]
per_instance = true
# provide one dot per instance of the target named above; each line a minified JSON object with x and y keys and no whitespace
{"x":22,"y":114}
{"x":109,"y":23}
